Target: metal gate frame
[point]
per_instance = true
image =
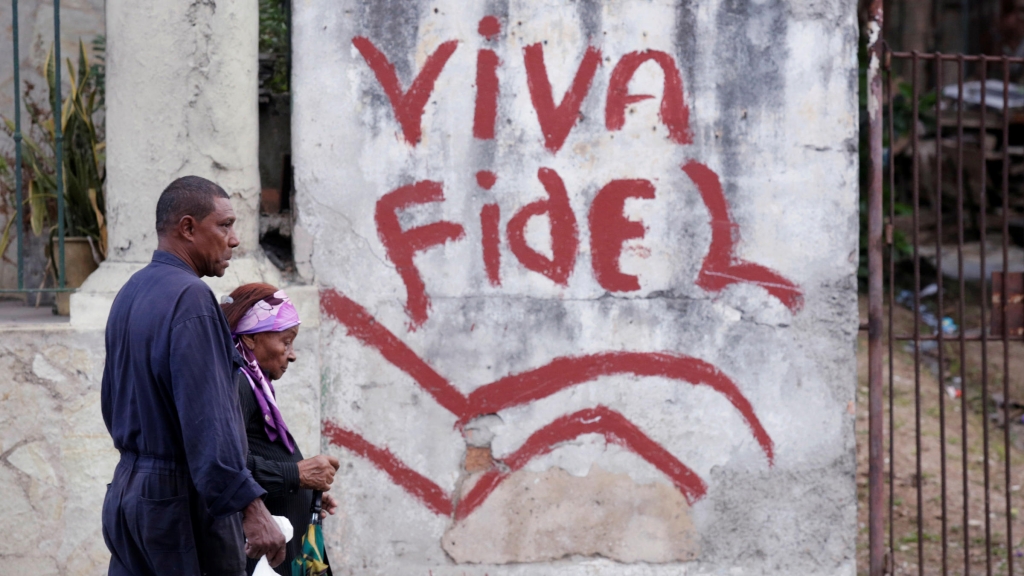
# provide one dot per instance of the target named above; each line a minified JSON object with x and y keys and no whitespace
{"x":58,"y":163}
{"x":881,"y":335}
{"x":876,"y":458}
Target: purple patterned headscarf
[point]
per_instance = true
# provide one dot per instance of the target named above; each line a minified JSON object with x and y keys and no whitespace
{"x":273,"y":314}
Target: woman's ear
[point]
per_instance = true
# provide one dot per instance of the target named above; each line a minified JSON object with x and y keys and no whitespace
{"x":248,"y":340}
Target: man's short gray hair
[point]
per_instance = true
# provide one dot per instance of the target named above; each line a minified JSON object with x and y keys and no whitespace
{"x":187,"y":196}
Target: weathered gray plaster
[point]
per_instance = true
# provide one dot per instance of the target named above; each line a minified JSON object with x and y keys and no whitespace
{"x":79,"y":19}
{"x":772,"y":98}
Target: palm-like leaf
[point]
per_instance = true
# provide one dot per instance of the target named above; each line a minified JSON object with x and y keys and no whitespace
{"x":82,"y":154}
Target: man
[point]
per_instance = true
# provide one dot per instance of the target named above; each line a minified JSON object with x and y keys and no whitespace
{"x":182,"y":497}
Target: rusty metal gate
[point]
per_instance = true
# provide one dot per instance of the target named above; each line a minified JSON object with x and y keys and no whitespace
{"x":945,"y":247}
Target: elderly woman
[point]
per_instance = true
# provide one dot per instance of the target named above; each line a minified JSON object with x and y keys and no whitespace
{"x":264,"y":324}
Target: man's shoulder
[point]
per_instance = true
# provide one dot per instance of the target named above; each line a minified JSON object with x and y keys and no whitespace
{"x":175,"y":291}
{"x":195,"y":299}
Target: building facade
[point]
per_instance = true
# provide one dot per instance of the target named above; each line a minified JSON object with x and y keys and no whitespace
{"x":577,"y":279}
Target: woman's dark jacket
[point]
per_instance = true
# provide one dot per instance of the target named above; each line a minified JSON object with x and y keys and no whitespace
{"x":276,"y":470}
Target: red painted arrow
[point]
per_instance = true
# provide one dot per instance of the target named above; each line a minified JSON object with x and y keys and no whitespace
{"x":602,"y":420}
{"x":523,"y":388}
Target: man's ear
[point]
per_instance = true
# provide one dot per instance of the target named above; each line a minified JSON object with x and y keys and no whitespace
{"x":187,"y":227}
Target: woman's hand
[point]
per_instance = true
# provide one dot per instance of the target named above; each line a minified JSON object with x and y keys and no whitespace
{"x":328,"y":505}
{"x":317,"y":473}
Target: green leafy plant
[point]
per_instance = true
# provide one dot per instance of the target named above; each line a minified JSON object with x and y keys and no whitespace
{"x":274,"y":43}
{"x":98,"y":69}
{"x":83,"y":155}
{"x":5,"y":208}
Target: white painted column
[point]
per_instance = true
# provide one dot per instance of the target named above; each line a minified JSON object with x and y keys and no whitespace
{"x":181,"y":100}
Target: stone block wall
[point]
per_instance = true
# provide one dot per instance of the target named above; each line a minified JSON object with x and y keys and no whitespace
{"x":56,"y":456}
{"x":55,"y":453}
{"x":181,"y":94}
{"x":587,"y":281}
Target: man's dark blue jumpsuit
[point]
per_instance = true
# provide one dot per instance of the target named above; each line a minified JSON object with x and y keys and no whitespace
{"x":171,"y":405}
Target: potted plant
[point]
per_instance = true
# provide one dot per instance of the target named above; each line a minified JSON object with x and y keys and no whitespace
{"x":82,"y":151}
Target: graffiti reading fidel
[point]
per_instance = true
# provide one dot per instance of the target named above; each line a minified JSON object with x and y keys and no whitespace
{"x":571,"y":289}
{"x":608,"y":230}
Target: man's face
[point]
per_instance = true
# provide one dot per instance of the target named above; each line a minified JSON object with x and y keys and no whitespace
{"x":214,"y":238}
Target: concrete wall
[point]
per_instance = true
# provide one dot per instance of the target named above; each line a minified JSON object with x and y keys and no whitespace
{"x":590,"y":334}
{"x":651,"y":372}
{"x":181,"y":99}
{"x":181,"y":91}
{"x":79,"y":19}
{"x":56,"y":456}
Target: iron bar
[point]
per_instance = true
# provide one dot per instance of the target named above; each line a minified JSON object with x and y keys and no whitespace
{"x":58,"y":120}
{"x":941,"y":307}
{"x":18,"y":194}
{"x":977,"y":338}
{"x":917,"y":318}
{"x":938,"y":274}
{"x":984,"y":340}
{"x":875,"y":288}
{"x":892,"y":291}
{"x":984,"y":385}
{"x":962,"y":315}
{"x":1007,"y":446}
{"x":941,"y":344}
{"x":952,"y":57}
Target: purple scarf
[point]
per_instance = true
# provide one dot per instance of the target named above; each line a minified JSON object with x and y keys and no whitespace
{"x":274,"y":314}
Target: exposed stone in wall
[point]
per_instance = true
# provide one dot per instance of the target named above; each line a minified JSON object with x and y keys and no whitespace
{"x":550,"y":515}
{"x":56,"y":456}
{"x":55,"y":453}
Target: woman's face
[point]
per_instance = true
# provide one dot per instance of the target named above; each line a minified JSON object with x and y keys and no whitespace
{"x":274,"y":351}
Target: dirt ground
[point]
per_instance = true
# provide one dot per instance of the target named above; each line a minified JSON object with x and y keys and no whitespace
{"x":933,"y":494}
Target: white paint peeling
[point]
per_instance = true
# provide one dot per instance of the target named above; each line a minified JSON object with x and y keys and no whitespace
{"x":874,"y":102}
{"x":874,"y":31}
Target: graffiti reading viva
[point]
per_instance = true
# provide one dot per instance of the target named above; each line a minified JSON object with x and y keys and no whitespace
{"x":609,"y":229}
